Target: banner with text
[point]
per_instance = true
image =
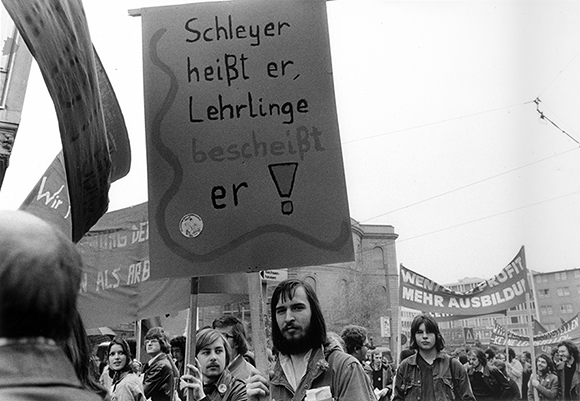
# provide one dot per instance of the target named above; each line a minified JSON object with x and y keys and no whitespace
{"x":545,"y":341}
{"x":499,"y":293}
{"x":117,"y":285}
{"x":245,"y":167}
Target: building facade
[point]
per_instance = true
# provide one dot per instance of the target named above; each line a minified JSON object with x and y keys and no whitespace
{"x":558,"y":296}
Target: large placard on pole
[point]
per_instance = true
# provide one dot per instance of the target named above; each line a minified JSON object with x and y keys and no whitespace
{"x":245,"y":165}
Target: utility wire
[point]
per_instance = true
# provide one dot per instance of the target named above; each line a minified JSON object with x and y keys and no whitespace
{"x":487,"y":217}
{"x":469,"y":185}
{"x":561,"y":71}
{"x":537,"y":101}
{"x":434,"y":123}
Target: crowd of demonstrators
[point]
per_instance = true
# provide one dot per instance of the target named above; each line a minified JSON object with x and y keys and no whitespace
{"x":546,"y":381}
{"x":429,"y":373}
{"x":487,"y":381}
{"x":242,"y":363}
{"x":209,"y":378}
{"x":568,"y":371}
{"x":307,"y":363}
{"x":46,"y":356}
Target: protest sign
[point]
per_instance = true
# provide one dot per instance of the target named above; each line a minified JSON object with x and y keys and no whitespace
{"x":499,"y":293}
{"x":244,"y":159}
{"x":116,"y":285}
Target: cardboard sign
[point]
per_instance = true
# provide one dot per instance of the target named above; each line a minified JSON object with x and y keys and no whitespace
{"x":244,"y":159}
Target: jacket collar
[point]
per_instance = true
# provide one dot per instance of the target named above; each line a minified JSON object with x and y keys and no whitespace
{"x":413,"y":358}
{"x":33,"y":364}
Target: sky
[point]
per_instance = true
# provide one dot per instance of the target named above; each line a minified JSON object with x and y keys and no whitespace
{"x":440,"y":134}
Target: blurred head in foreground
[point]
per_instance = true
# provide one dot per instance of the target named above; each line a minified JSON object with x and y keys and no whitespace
{"x":40,"y":271}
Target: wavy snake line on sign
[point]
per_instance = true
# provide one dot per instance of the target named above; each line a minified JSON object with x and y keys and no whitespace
{"x":172,"y":160}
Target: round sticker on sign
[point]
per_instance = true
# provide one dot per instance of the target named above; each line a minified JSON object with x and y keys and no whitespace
{"x":191,"y":225}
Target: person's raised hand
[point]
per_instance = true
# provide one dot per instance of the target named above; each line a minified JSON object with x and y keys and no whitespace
{"x":258,"y":388}
{"x":192,"y":381}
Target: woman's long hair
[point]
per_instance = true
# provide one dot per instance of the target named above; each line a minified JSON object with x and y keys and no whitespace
{"x":77,"y":349}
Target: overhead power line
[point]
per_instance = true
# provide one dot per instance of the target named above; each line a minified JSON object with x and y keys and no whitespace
{"x":434,"y":123}
{"x":469,"y":185}
{"x":487,"y":217}
{"x":537,"y":101}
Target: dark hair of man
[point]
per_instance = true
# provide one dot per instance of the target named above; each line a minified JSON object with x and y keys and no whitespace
{"x":500,"y":365}
{"x":480,"y":355}
{"x":527,"y":354}
{"x":40,"y":275}
{"x":490,"y":354}
{"x":353,"y":336}
{"x":238,"y":331}
{"x":405,"y":354}
{"x":431,"y":326}
{"x":206,"y":337}
{"x":548,"y":360}
{"x":159,"y":334}
{"x":572,"y":349}
{"x":178,"y":342}
{"x":511,"y":355}
{"x":285,"y":291}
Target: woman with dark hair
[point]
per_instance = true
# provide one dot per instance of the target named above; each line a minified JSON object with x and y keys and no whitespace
{"x":210,"y":380}
{"x":487,"y":381}
{"x":126,"y":385}
{"x":546,"y":382}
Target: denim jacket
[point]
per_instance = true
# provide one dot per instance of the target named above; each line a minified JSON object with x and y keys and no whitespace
{"x":450,"y":380}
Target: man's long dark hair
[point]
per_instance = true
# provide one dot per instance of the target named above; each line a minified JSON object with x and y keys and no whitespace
{"x":317,"y":330}
{"x":431,"y":326}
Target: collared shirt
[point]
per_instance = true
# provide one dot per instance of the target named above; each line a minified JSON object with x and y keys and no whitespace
{"x":150,"y":361}
{"x":294,"y":368}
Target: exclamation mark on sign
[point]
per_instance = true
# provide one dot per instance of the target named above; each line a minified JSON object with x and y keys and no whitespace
{"x":283,"y":175}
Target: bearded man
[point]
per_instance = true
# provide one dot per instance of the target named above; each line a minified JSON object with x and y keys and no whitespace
{"x":308,"y":364}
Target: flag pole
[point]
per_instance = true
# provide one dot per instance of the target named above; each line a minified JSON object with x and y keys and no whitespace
{"x":530,"y":322}
{"x":191,"y":328}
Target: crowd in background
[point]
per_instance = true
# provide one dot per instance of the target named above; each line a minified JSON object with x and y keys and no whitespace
{"x":45,"y":352}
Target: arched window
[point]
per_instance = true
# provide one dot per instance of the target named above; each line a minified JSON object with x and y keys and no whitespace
{"x":378,"y":258}
{"x":312,"y":281}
